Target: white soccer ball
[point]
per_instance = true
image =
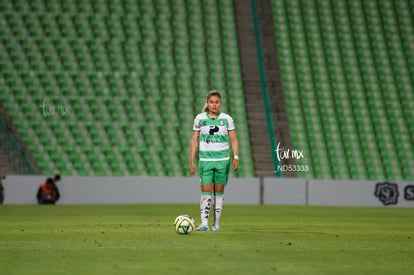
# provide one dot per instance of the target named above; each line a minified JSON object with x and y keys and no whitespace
{"x":184,"y":224}
{"x":181,"y":217}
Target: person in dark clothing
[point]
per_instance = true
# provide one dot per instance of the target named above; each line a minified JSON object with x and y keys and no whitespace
{"x":2,"y":189}
{"x":48,"y":192}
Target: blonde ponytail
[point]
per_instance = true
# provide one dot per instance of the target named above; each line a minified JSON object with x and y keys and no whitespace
{"x":205,"y":108}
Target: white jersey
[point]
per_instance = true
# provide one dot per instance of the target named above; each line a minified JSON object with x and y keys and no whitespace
{"x":214,"y":136}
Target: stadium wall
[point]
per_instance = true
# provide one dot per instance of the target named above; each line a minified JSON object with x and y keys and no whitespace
{"x":137,"y":190}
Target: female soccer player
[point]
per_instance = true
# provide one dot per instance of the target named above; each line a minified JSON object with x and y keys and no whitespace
{"x":212,"y":133}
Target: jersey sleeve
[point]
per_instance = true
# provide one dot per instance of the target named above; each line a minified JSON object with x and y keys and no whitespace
{"x":230,"y":126}
{"x":196,"y":125}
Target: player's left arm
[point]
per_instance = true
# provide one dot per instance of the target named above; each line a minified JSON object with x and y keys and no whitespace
{"x":235,"y":147}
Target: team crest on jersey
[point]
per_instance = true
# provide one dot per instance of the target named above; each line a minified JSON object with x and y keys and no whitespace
{"x":221,"y":122}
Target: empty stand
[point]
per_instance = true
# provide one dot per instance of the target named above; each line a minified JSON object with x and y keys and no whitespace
{"x":112,"y":87}
{"x":347,"y":70}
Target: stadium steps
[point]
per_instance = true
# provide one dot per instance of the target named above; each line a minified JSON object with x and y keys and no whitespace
{"x":258,"y":131}
{"x":259,"y":134}
{"x":274,"y":83}
{"x":6,"y":167}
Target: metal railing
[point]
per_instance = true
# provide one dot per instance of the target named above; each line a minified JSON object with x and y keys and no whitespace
{"x":16,"y":156}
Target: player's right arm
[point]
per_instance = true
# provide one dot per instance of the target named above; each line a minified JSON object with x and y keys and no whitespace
{"x":193,"y":150}
{"x":194,"y":144}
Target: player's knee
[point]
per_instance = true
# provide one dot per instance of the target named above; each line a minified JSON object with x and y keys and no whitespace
{"x":207,"y":187}
{"x":219,"y":187}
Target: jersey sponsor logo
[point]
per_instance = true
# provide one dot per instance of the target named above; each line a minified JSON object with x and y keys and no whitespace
{"x":213,"y":129}
{"x":213,"y":140}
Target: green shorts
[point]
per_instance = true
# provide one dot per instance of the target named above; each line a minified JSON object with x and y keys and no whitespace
{"x":214,"y":172}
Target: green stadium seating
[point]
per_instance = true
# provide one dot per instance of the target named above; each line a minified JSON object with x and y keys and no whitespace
{"x":133,"y":74}
{"x":347,"y":73}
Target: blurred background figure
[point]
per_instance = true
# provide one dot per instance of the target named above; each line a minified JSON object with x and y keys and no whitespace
{"x":2,"y":189}
{"x":48,"y":192}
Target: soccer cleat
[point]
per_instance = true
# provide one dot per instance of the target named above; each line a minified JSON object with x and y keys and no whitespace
{"x":202,"y":228}
{"x":216,"y":228}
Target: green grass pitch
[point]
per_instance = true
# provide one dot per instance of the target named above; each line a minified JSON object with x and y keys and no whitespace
{"x":140,"y":239}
